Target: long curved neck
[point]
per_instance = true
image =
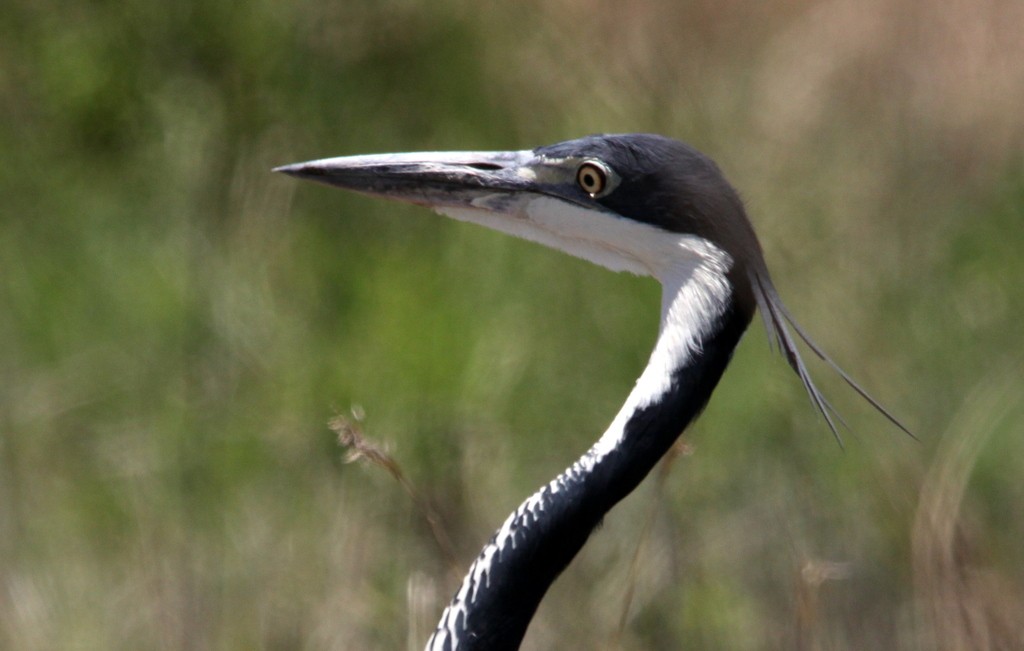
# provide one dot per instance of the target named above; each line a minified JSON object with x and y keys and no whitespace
{"x":701,"y":324}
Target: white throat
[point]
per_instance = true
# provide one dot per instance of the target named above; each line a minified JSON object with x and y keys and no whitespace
{"x":692,"y":271}
{"x":604,"y":238}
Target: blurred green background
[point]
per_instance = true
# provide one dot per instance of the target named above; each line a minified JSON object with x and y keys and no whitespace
{"x":177,"y":324}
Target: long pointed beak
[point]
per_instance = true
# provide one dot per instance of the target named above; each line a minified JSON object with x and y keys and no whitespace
{"x":486,"y":179}
{"x":519,"y":193}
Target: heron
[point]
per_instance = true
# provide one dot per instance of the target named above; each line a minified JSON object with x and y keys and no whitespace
{"x":638,"y":203}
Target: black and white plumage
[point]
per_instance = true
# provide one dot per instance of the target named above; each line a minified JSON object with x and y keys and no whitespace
{"x":639,"y":203}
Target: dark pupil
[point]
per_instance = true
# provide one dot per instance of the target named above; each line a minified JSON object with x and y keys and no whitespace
{"x":590,"y":180}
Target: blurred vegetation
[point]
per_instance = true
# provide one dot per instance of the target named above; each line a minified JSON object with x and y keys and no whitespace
{"x":178,"y":325}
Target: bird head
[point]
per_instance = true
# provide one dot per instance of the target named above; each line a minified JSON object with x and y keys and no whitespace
{"x":640,"y":203}
{"x":636,"y":202}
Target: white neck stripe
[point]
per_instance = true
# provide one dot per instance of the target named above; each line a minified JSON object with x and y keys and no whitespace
{"x":696,"y":294}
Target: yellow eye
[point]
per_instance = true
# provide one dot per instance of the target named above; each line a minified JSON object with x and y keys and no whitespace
{"x":592,"y":178}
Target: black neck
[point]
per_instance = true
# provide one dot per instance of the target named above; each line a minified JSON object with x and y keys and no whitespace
{"x":510,"y":577}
